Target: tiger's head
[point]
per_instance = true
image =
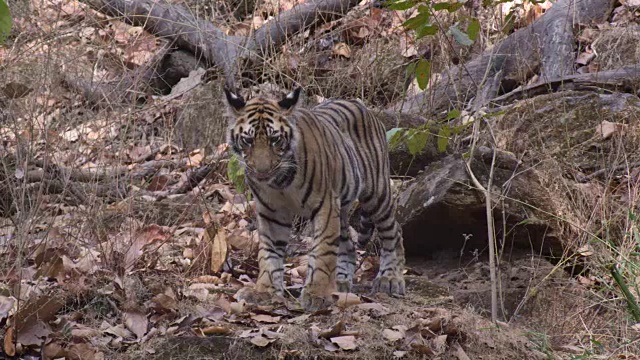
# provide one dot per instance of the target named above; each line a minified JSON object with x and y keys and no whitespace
{"x":261,"y":133}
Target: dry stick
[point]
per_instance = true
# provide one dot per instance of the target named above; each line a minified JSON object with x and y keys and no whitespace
{"x":484,"y":93}
{"x":584,"y":179}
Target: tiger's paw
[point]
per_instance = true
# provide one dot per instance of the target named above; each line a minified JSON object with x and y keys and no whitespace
{"x":312,"y":302}
{"x":392,"y":285}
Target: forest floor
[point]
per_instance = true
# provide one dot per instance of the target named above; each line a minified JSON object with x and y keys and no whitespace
{"x":86,"y":273}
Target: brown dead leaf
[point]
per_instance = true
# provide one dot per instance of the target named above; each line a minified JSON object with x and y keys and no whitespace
{"x":237,"y":307}
{"x":196,"y":156}
{"x":634,"y":4}
{"x":408,"y":47}
{"x":208,"y":279}
{"x":587,"y":281}
{"x":345,"y":300}
{"x":82,"y":351}
{"x":162,"y":303}
{"x":392,"y":335}
{"x":302,"y":270}
{"x":345,"y":342}
{"x":249,"y":333}
{"x":422,"y":348}
{"x":83,"y":331}
{"x":266,"y":318}
{"x":117,"y":331}
{"x":52,"y":268}
{"x":217,"y":239}
{"x":459,"y":352}
{"x":216,"y":330}
{"x":158,"y":183}
{"x":185,"y":85}
{"x":585,"y":250}
{"x":54,"y":350}
{"x":399,"y":354}
{"x":376,"y":309}
{"x":329,"y":346}
{"x":585,"y":57}
{"x":9,"y":342}
{"x":299,"y":319}
{"x":141,"y":47}
{"x":137,"y":322}
{"x":31,"y":320}
{"x":142,"y":240}
{"x":342,"y":49}
{"x":6,"y":306}
{"x":607,"y":129}
{"x":588,"y":35}
{"x":261,"y":341}
{"x":14,"y":90}
{"x":439,"y":344}
{"x":335,"y":330}
{"x":243,"y":240}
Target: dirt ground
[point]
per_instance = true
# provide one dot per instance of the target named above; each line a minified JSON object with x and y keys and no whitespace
{"x":449,"y":302}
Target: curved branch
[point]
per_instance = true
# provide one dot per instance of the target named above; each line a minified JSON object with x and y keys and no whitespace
{"x":520,"y":53}
{"x":178,"y":25}
{"x":274,"y":34}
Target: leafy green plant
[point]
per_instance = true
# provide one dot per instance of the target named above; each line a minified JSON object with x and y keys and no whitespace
{"x":235,"y":173}
{"x":625,"y":270}
{"x":416,"y":139}
{"x":6,"y":22}
{"x":423,"y":25}
{"x":628,"y":296}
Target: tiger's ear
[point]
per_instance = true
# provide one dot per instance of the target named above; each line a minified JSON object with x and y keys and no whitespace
{"x":291,"y":100}
{"x":236,"y":102}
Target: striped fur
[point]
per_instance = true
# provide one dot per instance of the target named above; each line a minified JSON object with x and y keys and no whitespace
{"x":317,"y":163}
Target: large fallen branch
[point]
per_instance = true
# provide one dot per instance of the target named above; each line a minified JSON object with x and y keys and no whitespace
{"x":519,"y":56}
{"x":133,"y":88}
{"x":624,"y":79}
{"x":210,"y":44}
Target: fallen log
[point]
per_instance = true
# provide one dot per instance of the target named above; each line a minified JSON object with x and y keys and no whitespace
{"x":207,"y":44}
{"x":518,"y":57}
{"x":625,"y":79}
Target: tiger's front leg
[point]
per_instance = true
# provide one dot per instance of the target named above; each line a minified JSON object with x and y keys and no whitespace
{"x":321,"y":272}
{"x":274,"y":230}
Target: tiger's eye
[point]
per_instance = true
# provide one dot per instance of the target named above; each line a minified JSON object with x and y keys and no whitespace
{"x":276,"y":141}
{"x":247,"y":141}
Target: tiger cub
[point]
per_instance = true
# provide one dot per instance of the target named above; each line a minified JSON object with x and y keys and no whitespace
{"x":316,"y":163}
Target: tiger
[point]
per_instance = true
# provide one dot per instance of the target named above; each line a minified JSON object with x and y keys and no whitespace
{"x":316,"y":163}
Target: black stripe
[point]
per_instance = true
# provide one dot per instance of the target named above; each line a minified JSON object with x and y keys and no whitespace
{"x":329,"y":252}
{"x":276,"y":256}
{"x":314,"y":212}
{"x":307,"y":192}
{"x":280,"y":243}
{"x":275,"y":221}
{"x":354,"y":117}
{"x":260,"y":200}
{"x":388,"y":228}
{"x":303,"y":156}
